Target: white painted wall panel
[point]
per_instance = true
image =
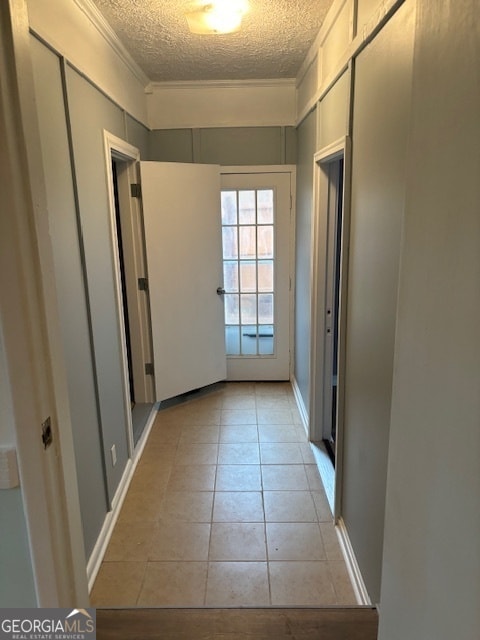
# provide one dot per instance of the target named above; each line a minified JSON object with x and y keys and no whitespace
{"x":333,"y":112}
{"x":336,"y":42}
{"x":366,"y":10}
{"x":64,"y":25}
{"x":308,"y":85}
{"x":218,"y":104}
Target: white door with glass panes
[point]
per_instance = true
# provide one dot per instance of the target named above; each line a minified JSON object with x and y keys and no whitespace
{"x":189,"y":266}
{"x":256,"y":211}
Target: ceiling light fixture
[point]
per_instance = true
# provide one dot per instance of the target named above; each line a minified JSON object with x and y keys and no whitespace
{"x":218,"y":16}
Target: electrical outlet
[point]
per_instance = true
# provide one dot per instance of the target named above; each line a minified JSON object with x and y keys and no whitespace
{"x":113,"y":451}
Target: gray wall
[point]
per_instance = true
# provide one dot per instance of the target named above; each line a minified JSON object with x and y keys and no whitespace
{"x":138,"y":135}
{"x":70,"y":290}
{"x":17,"y":587}
{"x":307,"y":137}
{"x":88,"y":306}
{"x":171,"y":145}
{"x":226,"y":146}
{"x":90,"y":114}
{"x":383,"y":76}
{"x":323,"y":126}
{"x":431,"y":574}
{"x":379,"y":129}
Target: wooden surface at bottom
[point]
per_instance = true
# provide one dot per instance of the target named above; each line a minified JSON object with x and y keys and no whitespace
{"x":346,"y":623}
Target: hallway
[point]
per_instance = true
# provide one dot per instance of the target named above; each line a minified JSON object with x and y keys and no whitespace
{"x":226,"y":509}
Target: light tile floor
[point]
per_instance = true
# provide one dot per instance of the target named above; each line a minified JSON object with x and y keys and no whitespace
{"x":226,"y":508}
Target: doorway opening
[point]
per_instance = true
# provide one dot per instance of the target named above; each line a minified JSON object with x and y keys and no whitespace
{"x":329,"y":291}
{"x":121,"y":259}
{"x":334,"y":262}
{"x":132,"y":284}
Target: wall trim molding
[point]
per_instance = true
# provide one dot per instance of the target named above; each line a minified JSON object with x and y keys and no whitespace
{"x":105,"y":30}
{"x":385,"y":11}
{"x":98,"y":552}
{"x":354,"y":572}
{"x":316,"y":46}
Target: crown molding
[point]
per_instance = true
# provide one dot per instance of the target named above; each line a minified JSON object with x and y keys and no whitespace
{"x":105,"y":30}
{"x":221,"y":84}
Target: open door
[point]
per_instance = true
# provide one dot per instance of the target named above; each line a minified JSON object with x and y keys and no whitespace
{"x":181,"y":205}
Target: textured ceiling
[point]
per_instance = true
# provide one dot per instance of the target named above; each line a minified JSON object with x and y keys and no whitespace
{"x":273,"y":41}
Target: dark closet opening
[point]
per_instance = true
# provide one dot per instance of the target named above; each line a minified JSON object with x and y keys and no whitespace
{"x":124,"y":284}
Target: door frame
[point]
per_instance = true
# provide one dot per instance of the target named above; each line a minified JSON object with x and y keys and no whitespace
{"x":322,"y":159}
{"x":292,"y":170}
{"x":117,"y":149}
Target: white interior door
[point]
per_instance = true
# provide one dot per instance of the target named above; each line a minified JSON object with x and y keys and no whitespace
{"x":256,"y":218}
{"x":181,"y":204}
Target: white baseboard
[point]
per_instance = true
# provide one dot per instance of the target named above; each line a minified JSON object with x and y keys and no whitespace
{"x":300,"y":403}
{"x":327,"y":474}
{"x":354,"y":572}
{"x":96,"y":557}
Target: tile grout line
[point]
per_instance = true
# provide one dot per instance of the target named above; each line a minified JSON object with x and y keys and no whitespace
{"x":267,"y":561}
{"x":212,"y":511}
{"x":142,"y":583}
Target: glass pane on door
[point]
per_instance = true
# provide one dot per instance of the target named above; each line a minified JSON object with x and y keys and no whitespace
{"x":248,"y":267}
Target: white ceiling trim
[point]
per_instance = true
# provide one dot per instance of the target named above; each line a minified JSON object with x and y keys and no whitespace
{"x":109,"y":35}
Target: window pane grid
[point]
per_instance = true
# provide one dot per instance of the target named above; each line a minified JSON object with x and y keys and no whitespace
{"x":248,"y":236}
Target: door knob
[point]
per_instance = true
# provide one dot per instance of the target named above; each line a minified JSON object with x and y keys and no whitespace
{"x":220,"y":291}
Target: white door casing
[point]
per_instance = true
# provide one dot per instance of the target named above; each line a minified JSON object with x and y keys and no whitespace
{"x":320,"y":340}
{"x":181,"y":204}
